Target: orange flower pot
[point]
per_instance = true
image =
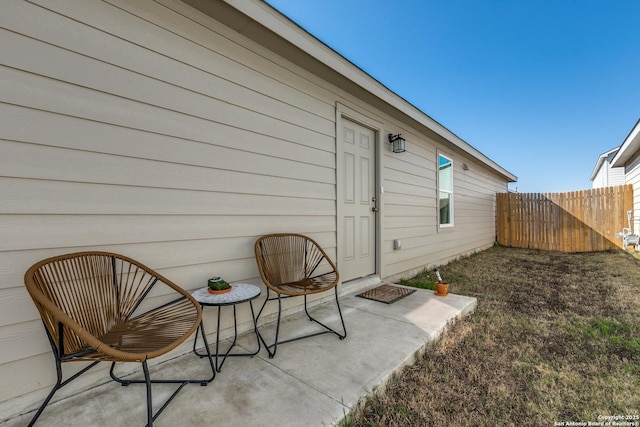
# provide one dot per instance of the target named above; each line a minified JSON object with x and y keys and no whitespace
{"x":442,"y":289}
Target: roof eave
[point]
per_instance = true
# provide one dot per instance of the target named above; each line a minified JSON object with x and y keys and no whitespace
{"x":263,"y":24}
{"x":597,"y":167}
{"x":629,"y":147}
{"x":601,"y":161}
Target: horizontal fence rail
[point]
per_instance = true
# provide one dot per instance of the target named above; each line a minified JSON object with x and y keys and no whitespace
{"x":578,"y":221}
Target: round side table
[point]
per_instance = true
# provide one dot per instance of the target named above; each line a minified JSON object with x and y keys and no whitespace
{"x":240,"y":293}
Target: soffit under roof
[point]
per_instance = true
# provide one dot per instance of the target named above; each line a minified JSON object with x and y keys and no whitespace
{"x":264,"y":25}
{"x":629,"y":148}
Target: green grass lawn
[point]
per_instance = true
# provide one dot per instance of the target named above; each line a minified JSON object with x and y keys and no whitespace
{"x":555,"y":339}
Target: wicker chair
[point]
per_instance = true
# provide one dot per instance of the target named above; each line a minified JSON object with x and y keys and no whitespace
{"x":94,"y":308}
{"x":294,"y":265}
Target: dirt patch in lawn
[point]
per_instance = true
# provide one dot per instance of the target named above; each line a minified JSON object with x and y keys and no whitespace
{"x":555,"y":339}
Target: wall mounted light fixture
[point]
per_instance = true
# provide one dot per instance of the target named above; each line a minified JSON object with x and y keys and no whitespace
{"x":398,"y":143}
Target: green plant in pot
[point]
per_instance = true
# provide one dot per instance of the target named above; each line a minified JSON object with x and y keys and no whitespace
{"x":218,"y":286}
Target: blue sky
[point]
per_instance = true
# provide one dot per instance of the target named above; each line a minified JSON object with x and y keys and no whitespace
{"x":542,"y":87}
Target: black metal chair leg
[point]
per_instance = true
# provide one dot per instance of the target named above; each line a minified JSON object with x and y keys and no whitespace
{"x":341,"y":335}
{"x":306,"y":311}
{"x":260,"y":337}
{"x":59,"y":384}
{"x":264,"y":303}
{"x":344,"y":328}
{"x":275,"y":344}
{"x":51,"y":393}
{"x":147,"y":381}
{"x":255,"y":328}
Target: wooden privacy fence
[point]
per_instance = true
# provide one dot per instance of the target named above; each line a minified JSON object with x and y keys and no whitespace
{"x":578,"y":221}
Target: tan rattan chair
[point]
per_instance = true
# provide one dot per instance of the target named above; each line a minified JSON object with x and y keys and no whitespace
{"x":94,"y":308}
{"x":294,"y":265}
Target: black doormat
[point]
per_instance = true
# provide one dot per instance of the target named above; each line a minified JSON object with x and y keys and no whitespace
{"x":386,"y":293}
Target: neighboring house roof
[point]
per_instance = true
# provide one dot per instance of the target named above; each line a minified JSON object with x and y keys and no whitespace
{"x":629,"y":147}
{"x":601,"y":161}
{"x":265,"y":25}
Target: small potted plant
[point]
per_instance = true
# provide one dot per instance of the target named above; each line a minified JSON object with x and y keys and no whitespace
{"x":218,"y":286}
{"x":442,"y":288}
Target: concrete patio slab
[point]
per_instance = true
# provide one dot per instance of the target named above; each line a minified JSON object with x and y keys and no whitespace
{"x":312,"y":382}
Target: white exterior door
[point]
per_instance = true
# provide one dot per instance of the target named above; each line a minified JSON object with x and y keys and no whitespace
{"x":357,"y":196}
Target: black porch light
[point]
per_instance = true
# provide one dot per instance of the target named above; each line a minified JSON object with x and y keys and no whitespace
{"x":398,"y":143}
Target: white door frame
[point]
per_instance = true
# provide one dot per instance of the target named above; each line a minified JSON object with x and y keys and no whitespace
{"x":344,"y":112}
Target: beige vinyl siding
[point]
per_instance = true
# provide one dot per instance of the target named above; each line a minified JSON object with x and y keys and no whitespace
{"x":410,"y":197}
{"x":149,"y":129}
{"x":615,"y":176}
{"x":151,"y":135}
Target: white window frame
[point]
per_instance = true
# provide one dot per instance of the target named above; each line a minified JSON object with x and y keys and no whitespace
{"x":444,"y":191}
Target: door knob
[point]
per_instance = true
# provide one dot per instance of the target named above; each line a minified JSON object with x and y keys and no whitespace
{"x":374,"y":209}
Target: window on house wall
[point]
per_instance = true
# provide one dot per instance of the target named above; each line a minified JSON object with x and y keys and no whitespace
{"x":445,"y":191}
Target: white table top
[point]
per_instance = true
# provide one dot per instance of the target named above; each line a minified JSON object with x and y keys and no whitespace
{"x":240,"y":292}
